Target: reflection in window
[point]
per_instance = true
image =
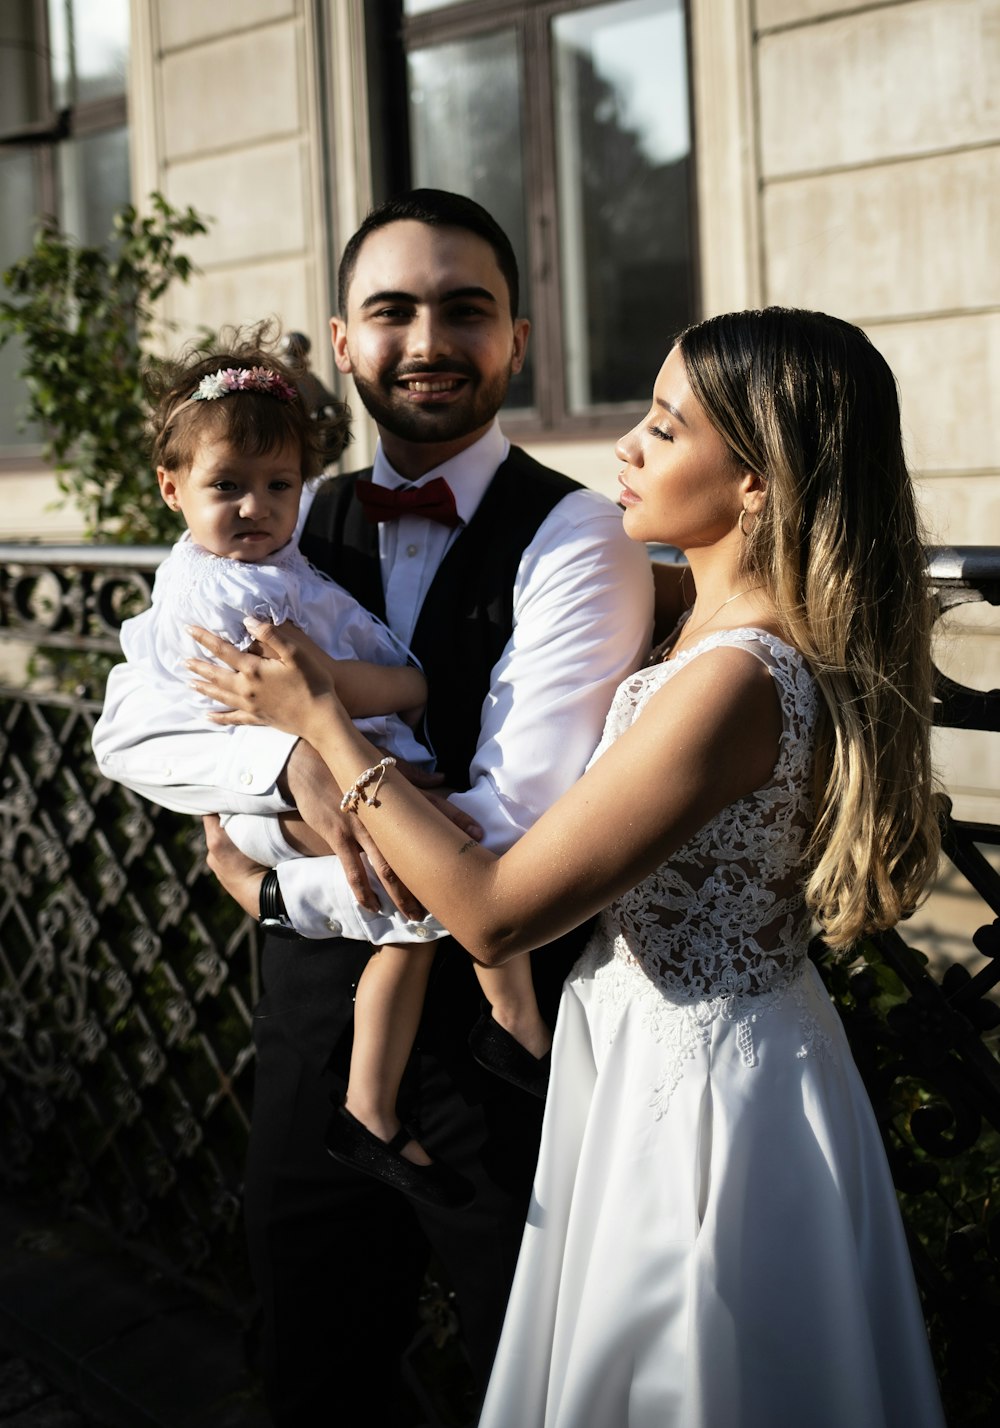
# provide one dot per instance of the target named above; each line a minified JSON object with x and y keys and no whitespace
{"x":623,"y":150}
{"x":421,"y":7}
{"x":100,"y":42}
{"x":465,"y":131}
{"x":89,"y":43}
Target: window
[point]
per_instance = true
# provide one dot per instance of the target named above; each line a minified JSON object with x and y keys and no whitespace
{"x":63,"y":141}
{"x":570,"y":122}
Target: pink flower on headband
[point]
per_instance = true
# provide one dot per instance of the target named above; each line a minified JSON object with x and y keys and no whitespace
{"x":243,"y":379}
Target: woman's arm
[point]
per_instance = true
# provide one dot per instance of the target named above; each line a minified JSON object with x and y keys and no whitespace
{"x":708,"y":737}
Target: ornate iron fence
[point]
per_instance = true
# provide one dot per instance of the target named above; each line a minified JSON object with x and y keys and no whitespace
{"x":126,"y":982}
{"x":126,"y":979}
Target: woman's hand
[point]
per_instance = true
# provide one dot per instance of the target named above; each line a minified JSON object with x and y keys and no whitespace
{"x":290,"y":686}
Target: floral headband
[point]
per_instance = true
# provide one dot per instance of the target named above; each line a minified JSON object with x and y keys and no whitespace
{"x":228,"y":380}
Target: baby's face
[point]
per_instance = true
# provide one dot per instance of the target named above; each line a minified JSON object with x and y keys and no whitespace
{"x":240,"y":507}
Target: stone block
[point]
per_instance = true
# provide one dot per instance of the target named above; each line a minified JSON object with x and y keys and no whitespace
{"x":282,"y":288}
{"x":895,"y":240}
{"x":769,"y":13}
{"x":257,"y":197}
{"x":187,"y":22}
{"x":890,"y":82}
{"x":231,"y":92}
{"x":967,"y":762}
{"x":948,"y":371}
{"x":967,"y":646}
{"x":592,"y":463}
{"x":961,"y":509}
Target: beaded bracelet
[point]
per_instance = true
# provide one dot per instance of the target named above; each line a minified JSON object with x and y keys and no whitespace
{"x":356,"y":793}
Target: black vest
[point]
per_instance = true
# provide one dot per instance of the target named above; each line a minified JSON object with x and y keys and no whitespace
{"x":468,"y":613}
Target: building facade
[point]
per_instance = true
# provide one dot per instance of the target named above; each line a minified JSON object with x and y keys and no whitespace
{"x":655,"y":160}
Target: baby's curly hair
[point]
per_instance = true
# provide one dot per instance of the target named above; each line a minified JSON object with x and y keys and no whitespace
{"x":254,"y":421}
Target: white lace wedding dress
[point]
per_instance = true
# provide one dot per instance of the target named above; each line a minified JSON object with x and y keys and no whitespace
{"x":713,"y":1239}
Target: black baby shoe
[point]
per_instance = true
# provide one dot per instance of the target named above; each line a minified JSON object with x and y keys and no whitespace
{"x":354,"y":1144}
{"x":502,"y":1054}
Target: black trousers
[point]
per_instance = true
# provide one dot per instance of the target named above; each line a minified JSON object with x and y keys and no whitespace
{"x":338,"y":1259}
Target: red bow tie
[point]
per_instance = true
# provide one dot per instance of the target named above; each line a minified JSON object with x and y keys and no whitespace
{"x":435,"y":502}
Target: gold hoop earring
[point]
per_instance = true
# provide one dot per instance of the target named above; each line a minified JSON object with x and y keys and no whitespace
{"x":746,"y":534}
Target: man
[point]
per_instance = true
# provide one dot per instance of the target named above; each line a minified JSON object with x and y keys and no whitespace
{"x":526,"y":605}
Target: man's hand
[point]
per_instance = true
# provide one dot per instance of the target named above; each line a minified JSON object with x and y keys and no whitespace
{"x":239,"y":875}
{"x":307,"y":782}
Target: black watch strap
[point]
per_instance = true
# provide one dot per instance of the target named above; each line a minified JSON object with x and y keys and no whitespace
{"x":272,"y":914}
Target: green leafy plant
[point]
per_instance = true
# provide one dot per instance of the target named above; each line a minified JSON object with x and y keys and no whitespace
{"x":85,"y":318}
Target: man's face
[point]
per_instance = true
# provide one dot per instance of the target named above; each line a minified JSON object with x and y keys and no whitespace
{"x":428,"y":335}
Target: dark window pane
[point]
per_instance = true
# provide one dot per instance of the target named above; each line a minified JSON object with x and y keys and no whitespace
{"x":22,"y":100}
{"x":18,"y":186}
{"x":465,"y":127}
{"x":94,"y":182}
{"x":623,"y":152}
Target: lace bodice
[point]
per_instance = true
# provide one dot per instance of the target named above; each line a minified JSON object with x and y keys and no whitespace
{"x":721,"y":928}
{"x":725,"y":914}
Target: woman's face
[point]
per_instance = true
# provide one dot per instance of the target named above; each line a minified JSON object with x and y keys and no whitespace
{"x":680,"y":483}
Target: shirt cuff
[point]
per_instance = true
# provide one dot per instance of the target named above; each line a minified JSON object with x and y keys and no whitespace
{"x":319,"y":903}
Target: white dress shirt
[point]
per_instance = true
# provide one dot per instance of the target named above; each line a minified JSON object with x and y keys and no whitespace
{"x":583,"y":602}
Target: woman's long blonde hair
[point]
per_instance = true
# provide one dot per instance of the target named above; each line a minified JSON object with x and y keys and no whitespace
{"x":807,"y":402}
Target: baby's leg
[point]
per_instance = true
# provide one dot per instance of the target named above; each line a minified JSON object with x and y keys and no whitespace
{"x":260,"y":836}
{"x":511,"y":993}
{"x":387,"y":1007}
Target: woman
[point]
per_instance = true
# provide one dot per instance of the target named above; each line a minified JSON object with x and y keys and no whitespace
{"x":713,"y":1238}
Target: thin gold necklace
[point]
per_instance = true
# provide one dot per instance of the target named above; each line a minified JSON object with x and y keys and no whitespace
{"x":687,"y":631}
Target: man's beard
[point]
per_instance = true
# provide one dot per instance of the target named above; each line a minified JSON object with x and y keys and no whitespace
{"x":476,"y":407}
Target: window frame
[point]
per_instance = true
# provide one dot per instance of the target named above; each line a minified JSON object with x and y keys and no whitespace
{"x":531,"y":20}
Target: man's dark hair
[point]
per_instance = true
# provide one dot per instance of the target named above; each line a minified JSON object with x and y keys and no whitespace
{"x":438,"y":209}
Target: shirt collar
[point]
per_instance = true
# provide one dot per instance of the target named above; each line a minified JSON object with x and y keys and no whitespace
{"x":468,"y":474}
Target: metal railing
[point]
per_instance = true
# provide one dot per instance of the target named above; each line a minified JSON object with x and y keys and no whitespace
{"x":127,"y":979}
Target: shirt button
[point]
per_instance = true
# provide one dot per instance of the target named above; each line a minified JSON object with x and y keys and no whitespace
{"x":334,"y":927}
{"x":168,"y":772}
{"x":422,"y":932}
{"x":412,"y":549}
{"x":246,"y":778}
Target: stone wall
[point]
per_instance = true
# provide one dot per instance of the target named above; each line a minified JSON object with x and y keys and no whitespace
{"x":228,"y":112}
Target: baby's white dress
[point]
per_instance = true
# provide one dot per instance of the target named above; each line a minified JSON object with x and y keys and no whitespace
{"x":713,"y":1239}
{"x":194,"y":587}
